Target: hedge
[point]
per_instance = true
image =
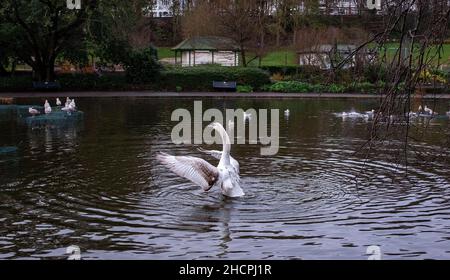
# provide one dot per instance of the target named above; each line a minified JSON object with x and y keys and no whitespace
{"x":302,"y":87}
{"x":200,"y":78}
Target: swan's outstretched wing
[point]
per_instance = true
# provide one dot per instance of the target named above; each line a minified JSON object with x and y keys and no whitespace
{"x":218,"y":154}
{"x":196,"y":170}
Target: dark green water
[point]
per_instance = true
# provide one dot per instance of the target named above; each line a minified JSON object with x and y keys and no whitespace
{"x":97,"y":185}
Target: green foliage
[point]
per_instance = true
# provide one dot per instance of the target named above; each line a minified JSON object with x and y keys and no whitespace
{"x":92,"y":82}
{"x":302,"y":87}
{"x":46,"y":28}
{"x":17,"y":83}
{"x":290,"y":86}
{"x":276,"y":58}
{"x":374,"y":73}
{"x":200,"y":78}
{"x":244,"y":88}
{"x":364,"y":87}
{"x":336,"y":88}
{"x":142,"y":66}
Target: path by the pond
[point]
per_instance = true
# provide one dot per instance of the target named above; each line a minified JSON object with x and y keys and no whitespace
{"x":202,"y":94}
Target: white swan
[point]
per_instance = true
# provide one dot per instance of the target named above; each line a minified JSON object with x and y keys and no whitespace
{"x":58,"y":102}
{"x":205,"y":175}
{"x":218,"y":154}
{"x":33,"y":111}
{"x":47,"y":107}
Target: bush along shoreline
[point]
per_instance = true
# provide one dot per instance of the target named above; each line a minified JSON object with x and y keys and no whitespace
{"x":200,"y":79}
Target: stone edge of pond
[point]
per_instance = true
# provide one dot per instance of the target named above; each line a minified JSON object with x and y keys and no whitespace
{"x":200,"y":94}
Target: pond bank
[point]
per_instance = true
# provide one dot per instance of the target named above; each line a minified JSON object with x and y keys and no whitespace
{"x":201,"y":94}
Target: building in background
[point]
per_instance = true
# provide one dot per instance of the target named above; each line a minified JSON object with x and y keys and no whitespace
{"x":164,"y":8}
{"x":207,"y":50}
{"x":328,"y":56}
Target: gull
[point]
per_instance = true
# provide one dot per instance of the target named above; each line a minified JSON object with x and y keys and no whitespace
{"x":69,"y":107}
{"x":67,"y":102}
{"x":72,"y":105}
{"x":371,"y":112}
{"x":429,"y":111}
{"x":286,"y":113}
{"x":47,"y":107}
{"x":351,"y":115}
{"x":412,"y":115}
{"x":33,"y":111}
{"x":205,"y":175}
{"x":58,"y":102}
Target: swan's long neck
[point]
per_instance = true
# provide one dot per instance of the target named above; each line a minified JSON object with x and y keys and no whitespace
{"x":226,"y":148}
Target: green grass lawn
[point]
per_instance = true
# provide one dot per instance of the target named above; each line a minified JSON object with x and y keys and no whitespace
{"x":392,"y":48}
{"x":288,"y":57}
{"x":275,"y":58}
{"x":165,"y":52}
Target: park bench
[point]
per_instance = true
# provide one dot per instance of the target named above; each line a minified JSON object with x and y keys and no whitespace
{"x":224,"y":86}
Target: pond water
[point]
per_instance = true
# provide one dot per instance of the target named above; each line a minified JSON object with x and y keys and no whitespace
{"x":98,"y":186}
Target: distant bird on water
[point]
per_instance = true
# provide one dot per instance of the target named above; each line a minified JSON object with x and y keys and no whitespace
{"x":286,"y":113}
{"x":33,"y":111}
{"x":47,"y":107}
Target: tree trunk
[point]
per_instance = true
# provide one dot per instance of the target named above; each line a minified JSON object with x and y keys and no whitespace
{"x":45,"y":71}
{"x":244,"y":60}
{"x":294,"y":37}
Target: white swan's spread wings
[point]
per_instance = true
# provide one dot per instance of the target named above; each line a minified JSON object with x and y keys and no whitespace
{"x":218,"y":154}
{"x":194,"y":169}
{"x":214,"y":153}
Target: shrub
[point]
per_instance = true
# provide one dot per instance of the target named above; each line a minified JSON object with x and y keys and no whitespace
{"x":427,"y":76}
{"x":244,"y":88}
{"x":335,"y":88}
{"x":365,"y":87}
{"x":142,"y":66}
{"x":318,"y":88}
{"x":290,"y":86}
{"x":282,"y":70}
{"x":200,"y":78}
{"x":374,"y":73}
{"x":16,"y":83}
